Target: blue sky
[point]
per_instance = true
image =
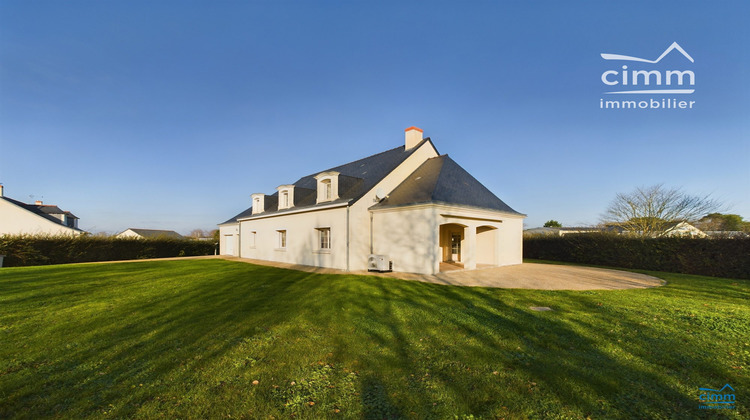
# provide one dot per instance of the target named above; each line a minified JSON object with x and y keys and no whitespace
{"x":170,"y":114}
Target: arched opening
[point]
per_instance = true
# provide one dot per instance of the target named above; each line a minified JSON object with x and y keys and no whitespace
{"x":486,"y":246}
{"x":452,"y":246}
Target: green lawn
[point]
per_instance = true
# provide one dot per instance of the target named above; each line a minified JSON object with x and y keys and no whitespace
{"x":188,"y":339}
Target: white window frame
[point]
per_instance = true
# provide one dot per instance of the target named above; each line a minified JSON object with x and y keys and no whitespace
{"x":285,"y":199}
{"x":327,"y":186}
{"x":327,"y":189}
{"x":320,"y":239}
{"x":281,"y":239}
{"x":285,"y":196}
{"x":259,"y":200}
{"x":252,"y":239}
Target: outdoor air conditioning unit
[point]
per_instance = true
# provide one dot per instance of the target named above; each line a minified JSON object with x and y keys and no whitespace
{"x":379,"y":263}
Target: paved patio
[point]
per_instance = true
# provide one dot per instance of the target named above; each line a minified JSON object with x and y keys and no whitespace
{"x":523,"y":276}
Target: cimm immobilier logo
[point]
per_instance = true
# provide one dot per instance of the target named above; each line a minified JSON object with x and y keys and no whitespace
{"x":717,"y":399}
{"x":652,"y":86}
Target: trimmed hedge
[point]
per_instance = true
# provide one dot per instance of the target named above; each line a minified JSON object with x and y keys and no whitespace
{"x":709,"y":257}
{"x":25,"y":250}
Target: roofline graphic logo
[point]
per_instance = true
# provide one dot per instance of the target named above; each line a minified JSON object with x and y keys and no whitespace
{"x":647,"y":78}
{"x":674,"y":46}
{"x":717,"y":399}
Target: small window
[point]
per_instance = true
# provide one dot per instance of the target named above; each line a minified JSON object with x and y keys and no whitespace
{"x":251,"y":240}
{"x":285,"y":199}
{"x":282,"y":238}
{"x":324,"y":238}
{"x":327,"y":189}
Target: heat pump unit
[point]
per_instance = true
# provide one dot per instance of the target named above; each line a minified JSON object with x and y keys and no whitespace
{"x":379,"y":263}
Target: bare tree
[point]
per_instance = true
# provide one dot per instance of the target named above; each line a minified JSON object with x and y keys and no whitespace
{"x":649,"y":211}
{"x":197,"y":233}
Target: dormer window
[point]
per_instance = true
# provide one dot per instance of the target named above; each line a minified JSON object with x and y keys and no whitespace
{"x":286,"y":196}
{"x":327,"y":192}
{"x":258,"y":203}
{"x":328,"y":186}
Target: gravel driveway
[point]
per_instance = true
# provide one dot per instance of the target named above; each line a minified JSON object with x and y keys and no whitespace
{"x":522,"y":276}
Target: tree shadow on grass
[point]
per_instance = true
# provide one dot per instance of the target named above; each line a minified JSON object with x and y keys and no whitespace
{"x":418,"y":350}
{"x":376,"y":404}
{"x":175,"y":332}
{"x":580,"y":366}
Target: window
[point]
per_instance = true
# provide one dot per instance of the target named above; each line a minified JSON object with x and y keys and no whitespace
{"x":327,"y":186}
{"x":324,"y":238}
{"x":259,"y":200}
{"x":282,"y":238}
{"x":286,"y":196}
{"x":251,"y":239}
{"x":327,"y":189}
{"x":285,"y":199}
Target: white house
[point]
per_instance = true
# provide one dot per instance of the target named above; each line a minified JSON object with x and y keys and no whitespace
{"x":671,"y":229}
{"x":148,"y":234}
{"x":18,"y":218}
{"x":683,"y":229}
{"x":417,"y":208}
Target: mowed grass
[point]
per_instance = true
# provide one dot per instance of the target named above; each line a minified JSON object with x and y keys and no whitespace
{"x":188,"y":339}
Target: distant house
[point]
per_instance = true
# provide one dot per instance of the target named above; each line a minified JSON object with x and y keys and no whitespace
{"x":727,"y":234}
{"x":542,"y":231}
{"x":35,"y":219}
{"x":562,"y":231}
{"x":148,"y":234}
{"x":672,"y":229}
{"x":683,"y":229}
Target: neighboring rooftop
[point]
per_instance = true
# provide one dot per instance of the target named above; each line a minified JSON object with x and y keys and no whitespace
{"x":52,"y":209}
{"x":46,"y":211}
{"x":442,"y":180}
{"x":154,"y":233}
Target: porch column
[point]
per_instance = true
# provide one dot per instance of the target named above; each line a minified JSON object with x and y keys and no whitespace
{"x":437,"y":254}
{"x":469,"y":250}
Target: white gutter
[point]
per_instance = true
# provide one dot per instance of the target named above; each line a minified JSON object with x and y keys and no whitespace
{"x":305,"y":210}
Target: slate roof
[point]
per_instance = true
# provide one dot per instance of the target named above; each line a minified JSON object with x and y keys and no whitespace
{"x":51,"y":209}
{"x":245,"y":213}
{"x":442,"y":180}
{"x":355,"y":179}
{"x":155,"y":233}
{"x":358,"y":177}
{"x":44,"y":211}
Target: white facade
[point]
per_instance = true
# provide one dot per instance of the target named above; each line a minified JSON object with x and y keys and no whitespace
{"x":418,"y":238}
{"x":17,"y":220}
{"x":685,"y":229}
{"x":342,"y":233}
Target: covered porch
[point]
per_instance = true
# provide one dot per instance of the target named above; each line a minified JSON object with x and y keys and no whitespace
{"x":468,"y":243}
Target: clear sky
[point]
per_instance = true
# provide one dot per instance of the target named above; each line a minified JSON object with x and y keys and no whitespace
{"x":169,"y":114}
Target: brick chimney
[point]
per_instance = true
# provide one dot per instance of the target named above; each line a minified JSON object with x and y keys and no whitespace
{"x":413,"y":137}
{"x":2,"y":194}
{"x":38,"y":203}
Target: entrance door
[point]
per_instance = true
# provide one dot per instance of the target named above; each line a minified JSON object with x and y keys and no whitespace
{"x":228,"y":244}
{"x":455,"y":247}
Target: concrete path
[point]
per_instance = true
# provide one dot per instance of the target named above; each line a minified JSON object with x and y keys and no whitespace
{"x":523,"y":276}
